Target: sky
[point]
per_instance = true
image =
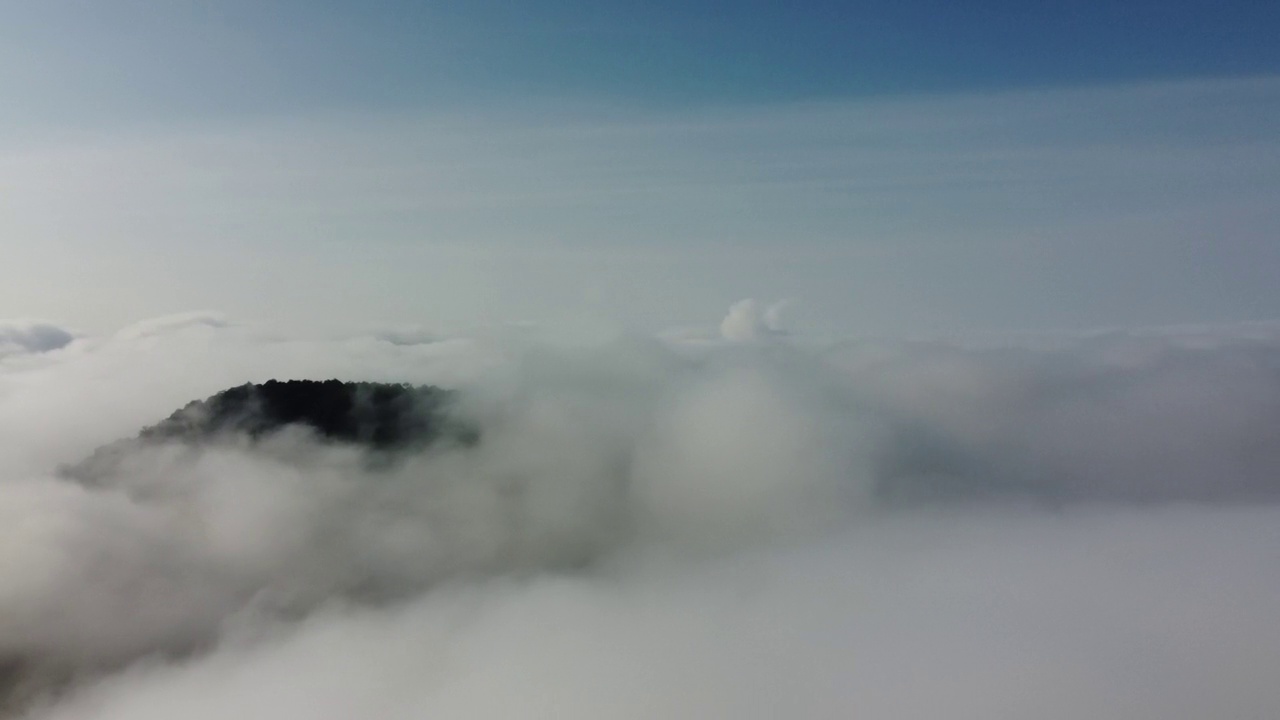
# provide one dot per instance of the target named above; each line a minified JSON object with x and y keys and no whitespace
{"x":894,"y":168}
{"x":947,"y":386}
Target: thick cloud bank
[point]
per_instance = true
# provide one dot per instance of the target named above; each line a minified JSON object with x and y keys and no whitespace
{"x":1078,"y":528}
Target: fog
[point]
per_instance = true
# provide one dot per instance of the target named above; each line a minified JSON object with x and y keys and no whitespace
{"x":744,"y":524}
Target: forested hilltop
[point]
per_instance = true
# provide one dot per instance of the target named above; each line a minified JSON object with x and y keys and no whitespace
{"x":382,"y":417}
{"x":379,"y":415}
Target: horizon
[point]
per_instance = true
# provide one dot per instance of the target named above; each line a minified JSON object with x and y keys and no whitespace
{"x":911,"y":169}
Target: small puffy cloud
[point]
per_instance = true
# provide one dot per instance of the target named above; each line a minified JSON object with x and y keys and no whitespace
{"x":751,"y":321}
{"x":775,"y":316}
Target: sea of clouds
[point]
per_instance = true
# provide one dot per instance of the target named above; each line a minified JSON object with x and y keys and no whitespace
{"x":741,"y":524}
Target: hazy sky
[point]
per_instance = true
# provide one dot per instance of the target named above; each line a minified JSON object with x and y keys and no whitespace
{"x":907,"y":167}
{"x":715,"y":524}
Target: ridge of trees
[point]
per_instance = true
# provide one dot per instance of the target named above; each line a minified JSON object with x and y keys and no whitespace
{"x":384,"y":418}
{"x":379,"y":415}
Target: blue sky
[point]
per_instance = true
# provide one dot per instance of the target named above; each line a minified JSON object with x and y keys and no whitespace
{"x":914,"y":165}
{"x":147,"y":59}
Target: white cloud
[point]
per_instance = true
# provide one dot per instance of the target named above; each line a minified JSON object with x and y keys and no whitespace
{"x":1148,"y":616}
{"x":749,"y":321}
{"x":654,"y":529}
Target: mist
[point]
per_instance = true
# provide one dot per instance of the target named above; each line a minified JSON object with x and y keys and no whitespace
{"x":747,"y":524}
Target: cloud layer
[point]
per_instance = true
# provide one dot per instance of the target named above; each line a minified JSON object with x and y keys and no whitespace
{"x":1066,"y":528}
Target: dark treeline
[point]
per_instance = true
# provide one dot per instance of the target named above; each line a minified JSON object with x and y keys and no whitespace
{"x":379,"y":415}
{"x":384,"y":418}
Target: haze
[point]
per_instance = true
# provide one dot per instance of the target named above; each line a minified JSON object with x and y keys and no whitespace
{"x":897,"y":360}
